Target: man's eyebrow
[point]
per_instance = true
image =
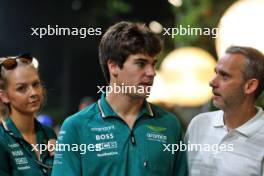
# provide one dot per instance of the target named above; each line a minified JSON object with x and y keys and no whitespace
{"x":222,"y":72}
{"x":141,"y":59}
{"x":145,"y":60}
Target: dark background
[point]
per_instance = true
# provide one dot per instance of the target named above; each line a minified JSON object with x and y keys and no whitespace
{"x":69,"y":65}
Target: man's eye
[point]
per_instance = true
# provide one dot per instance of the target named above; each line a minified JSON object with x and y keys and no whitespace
{"x":141,"y":64}
{"x":225,"y":76}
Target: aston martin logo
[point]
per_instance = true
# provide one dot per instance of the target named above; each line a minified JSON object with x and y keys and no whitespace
{"x":156,"y":128}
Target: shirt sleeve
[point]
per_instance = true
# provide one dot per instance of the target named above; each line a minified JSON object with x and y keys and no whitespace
{"x":67,"y":161}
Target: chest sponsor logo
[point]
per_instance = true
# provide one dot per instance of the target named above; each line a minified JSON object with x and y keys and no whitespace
{"x":107,"y":154}
{"x":108,"y":145}
{"x":22,"y":160}
{"x":24,"y":168}
{"x":157,"y":137}
{"x":17,"y":153}
{"x":14,"y":145}
{"x":107,"y":128}
{"x":106,"y":136}
{"x":156,"y":128}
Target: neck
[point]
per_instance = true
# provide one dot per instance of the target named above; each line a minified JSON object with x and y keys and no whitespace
{"x":24,"y":123}
{"x":237,"y":116}
{"x":125,"y":106}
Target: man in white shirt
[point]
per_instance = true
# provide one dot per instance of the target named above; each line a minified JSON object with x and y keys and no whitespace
{"x":230,"y":142}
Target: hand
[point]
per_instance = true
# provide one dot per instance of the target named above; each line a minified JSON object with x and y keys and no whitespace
{"x":51,"y":146}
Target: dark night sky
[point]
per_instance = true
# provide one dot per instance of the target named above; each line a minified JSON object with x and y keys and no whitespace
{"x":68,"y":65}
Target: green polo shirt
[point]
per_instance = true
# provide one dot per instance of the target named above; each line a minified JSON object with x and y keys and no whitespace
{"x":16,"y":154}
{"x":96,"y":141}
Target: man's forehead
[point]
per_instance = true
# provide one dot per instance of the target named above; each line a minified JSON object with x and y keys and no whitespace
{"x":232,"y":56}
{"x":141,"y":57}
{"x":231,"y":62}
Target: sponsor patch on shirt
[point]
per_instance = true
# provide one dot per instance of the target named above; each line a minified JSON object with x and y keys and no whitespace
{"x":106,"y":128}
{"x":106,"y":154}
{"x":156,"y":128}
{"x":156,"y":137}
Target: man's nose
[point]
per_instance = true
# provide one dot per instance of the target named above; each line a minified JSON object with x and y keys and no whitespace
{"x":150,"y":71}
{"x":213,"y":82}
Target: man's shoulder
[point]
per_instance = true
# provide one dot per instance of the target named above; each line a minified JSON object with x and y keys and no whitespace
{"x":81,"y":117}
{"x":206,"y":118}
{"x":163,"y":114}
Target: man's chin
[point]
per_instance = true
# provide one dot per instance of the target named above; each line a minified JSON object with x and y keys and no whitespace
{"x":217,"y":104}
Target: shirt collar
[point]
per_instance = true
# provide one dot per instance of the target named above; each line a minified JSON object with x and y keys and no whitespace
{"x":11,"y":128}
{"x":218,"y":120}
{"x":249,"y":128}
{"x":107,"y":111}
{"x":253,"y":125}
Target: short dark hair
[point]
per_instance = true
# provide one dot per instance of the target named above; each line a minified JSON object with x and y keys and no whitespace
{"x":254,"y":65}
{"x":124,"y":39}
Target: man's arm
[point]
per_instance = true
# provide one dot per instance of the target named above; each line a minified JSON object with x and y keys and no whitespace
{"x":67,"y":162}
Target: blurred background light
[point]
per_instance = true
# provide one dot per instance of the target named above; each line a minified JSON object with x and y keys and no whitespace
{"x":176,"y":3}
{"x":155,"y":26}
{"x":45,"y":120}
{"x":242,"y":24}
{"x":183,"y":78}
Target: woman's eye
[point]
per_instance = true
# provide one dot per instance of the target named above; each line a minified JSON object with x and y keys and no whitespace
{"x":36,"y":84}
{"x":21,"y":89}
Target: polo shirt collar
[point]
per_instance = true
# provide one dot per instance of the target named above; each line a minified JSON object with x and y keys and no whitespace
{"x":107,"y":111}
{"x":253,"y":125}
{"x":218,"y":120}
{"x":12,"y":129}
{"x":249,"y":128}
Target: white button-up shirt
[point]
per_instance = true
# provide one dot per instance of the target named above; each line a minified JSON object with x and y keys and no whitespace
{"x":215,"y":151}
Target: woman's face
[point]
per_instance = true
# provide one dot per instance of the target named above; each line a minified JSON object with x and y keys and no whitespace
{"x":24,"y":90}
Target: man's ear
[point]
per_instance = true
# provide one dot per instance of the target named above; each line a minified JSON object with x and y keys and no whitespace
{"x":112,"y":67}
{"x":3,"y":97}
{"x":251,"y":86}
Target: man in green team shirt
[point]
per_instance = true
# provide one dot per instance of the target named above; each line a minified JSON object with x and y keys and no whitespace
{"x":122,"y":134}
